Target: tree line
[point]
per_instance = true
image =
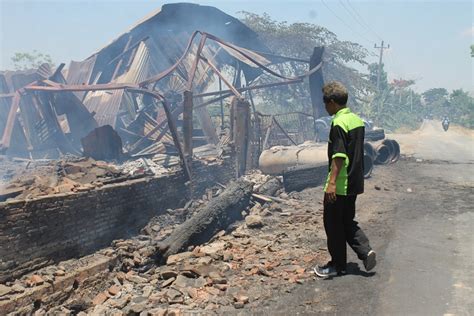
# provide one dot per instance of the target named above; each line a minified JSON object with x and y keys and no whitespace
{"x":394,"y":105}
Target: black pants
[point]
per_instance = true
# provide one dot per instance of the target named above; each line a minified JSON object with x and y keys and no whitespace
{"x":340,"y":228}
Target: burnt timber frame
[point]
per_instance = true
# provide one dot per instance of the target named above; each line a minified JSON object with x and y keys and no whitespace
{"x":143,"y":88}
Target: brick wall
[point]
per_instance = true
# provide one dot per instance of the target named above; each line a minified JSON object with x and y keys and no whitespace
{"x":37,"y":232}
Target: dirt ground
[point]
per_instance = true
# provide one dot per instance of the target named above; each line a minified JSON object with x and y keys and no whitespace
{"x":419,"y":217}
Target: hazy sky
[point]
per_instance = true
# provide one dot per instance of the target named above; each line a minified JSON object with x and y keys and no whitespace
{"x":429,"y":40}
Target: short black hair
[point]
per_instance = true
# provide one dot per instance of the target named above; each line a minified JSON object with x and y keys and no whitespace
{"x":335,"y":91}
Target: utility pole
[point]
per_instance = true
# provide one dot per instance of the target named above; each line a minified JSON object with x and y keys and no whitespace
{"x":380,"y":62}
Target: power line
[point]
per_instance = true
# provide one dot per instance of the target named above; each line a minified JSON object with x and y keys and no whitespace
{"x":362,"y":20}
{"x":345,"y":23}
{"x":354,"y":17}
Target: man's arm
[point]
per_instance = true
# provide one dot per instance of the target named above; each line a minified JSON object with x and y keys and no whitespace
{"x":336,"y":166}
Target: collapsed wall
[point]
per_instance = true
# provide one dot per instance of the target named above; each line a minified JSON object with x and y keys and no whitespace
{"x":40,"y":231}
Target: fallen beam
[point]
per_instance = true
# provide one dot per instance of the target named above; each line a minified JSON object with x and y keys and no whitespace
{"x":217,"y":215}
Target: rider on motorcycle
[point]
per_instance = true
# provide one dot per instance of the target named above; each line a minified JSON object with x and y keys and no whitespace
{"x":445,"y":123}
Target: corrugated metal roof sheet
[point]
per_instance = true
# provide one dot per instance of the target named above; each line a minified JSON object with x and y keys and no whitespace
{"x":105,"y":104}
{"x":79,"y":72}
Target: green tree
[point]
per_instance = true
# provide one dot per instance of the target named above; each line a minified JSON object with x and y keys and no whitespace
{"x":298,"y":40}
{"x":436,"y":100}
{"x":461,"y":108}
{"x":373,"y":72}
{"x":435,"y":95}
{"x":23,"y":61}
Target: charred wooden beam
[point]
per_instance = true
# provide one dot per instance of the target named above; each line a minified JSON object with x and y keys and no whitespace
{"x":221,"y":104}
{"x":188,"y":124}
{"x":7,"y":132}
{"x":316,"y":83}
{"x":241,"y":133}
{"x":217,"y":215}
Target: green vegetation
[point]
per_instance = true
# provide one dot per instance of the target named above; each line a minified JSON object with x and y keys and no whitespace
{"x":298,"y":40}
{"x":395,"y":105}
{"x":398,"y":105}
{"x":33,"y":60}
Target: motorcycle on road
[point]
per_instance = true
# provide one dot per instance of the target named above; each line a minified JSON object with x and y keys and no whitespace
{"x":445,"y":124}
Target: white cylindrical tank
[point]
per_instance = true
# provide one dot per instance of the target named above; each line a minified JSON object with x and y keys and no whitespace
{"x":279,"y":158}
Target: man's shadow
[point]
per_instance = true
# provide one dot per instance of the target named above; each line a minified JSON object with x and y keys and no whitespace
{"x":354,"y":269}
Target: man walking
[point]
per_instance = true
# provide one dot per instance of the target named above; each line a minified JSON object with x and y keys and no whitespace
{"x":345,"y":181}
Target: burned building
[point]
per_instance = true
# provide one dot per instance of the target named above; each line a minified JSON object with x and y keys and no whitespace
{"x":48,"y":121}
{"x":142,"y":96}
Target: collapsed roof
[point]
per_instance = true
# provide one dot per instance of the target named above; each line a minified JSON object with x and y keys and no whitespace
{"x":119,"y":85}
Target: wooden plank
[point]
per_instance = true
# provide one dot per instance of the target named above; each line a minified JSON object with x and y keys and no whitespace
{"x":188,"y":124}
{"x":195,"y":63}
{"x":267,"y":134}
{"x":241,"y":134}
{"x":7,"y":133}
{"x":316,"y":83}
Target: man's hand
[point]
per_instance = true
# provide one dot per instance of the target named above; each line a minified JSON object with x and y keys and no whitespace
{"x":330,"y":194}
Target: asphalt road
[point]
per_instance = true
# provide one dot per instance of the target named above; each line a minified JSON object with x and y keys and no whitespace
{"x":420,"y":221}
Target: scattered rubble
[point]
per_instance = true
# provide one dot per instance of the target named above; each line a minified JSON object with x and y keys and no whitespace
{"x":253,"y":221}
{"x":236,"y":269}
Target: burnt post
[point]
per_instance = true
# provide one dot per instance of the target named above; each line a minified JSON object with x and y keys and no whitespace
{"x":316,"y":83}
{"x":188,"y":124}
{"x":241,"y":132}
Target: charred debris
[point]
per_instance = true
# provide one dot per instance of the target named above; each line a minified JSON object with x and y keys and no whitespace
{"x":138,"y":108}
{"x":146,"y":92}
{"x":146,"y":96}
